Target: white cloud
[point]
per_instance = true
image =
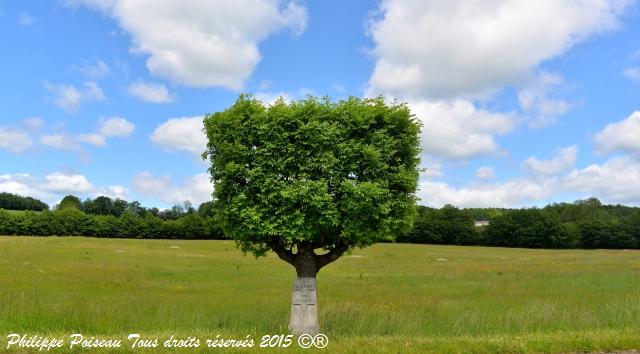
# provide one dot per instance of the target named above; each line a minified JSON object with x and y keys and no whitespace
{"x":441,"y":49}
{"x":447,"y":58}
{"x":93,"y":139}
{"x":113,"y":192}
{"x":94,"y":70}
{"x":116,"y":127}
{"x":54,"y":186}
{"x":14,"y":140}
{"x":150,"y":92}
{"x":514,"y":193}
{"x":563,"y":160}
{"x":26,"y":20}
{"x":182,"y":134}
{"x":457,"y":129}
{"x":108,"y":128}
{"x":59,"y":182}
{"x":201,"y":43}
{"x":620,"y":136}
{"x":431,"y":169}
{"x":59,"y":141}
{"x":615,"y":181}
{"x":17,"y":184}
{"x":485,"y":173}
{"x":633,"y":74}
{"x":70,"y":98}
{"x":196,"y":189}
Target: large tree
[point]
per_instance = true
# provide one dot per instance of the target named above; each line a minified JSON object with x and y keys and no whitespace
{"x":311,"y":179}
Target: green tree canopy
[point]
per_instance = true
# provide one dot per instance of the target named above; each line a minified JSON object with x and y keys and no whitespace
{"x":313,"y":173}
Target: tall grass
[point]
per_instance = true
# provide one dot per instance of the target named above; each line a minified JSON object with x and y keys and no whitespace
{"x":387,"y":297}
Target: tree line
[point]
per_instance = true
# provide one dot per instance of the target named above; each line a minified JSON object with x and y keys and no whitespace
{"x":106,"y":217}
{"x":581,"y":224}
{"x":11,"y":201}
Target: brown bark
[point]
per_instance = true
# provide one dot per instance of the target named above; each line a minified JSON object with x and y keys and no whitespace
{"x":284,"y":254}
{"x":305,"y":260}
{"x":335,"y":253}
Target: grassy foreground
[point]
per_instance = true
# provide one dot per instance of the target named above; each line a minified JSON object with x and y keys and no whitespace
{"x":387,"y":298}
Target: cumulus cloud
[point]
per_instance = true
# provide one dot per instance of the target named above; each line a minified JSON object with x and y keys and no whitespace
{"x":181,"y":134}
{"x":620,"y":136}
{"x":457,"y":129}
{"x":108,"y":128}
{"x":514,"y":193}
{"x":70,"y":98}
{"x":52,"y":187}
{"x":18,"y":184}
{"x":563,"y":160}
{"x":66,"y":183}
{"x":440,"y":49}
{"x":14,"y":140}
{"x":116,"y":127}
{"x":485,"y":173}
{"x":201,"y":43}
{"x":431,"y":169}
{"x":196,"y":189}
{"x":150,"y":92}
{"x":469,"y":50}
{"x":448,"y":58}
{"x":113,"y":192}
{"x":615,"y":181}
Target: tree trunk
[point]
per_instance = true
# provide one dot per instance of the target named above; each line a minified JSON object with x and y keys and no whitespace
{"x":304,"y":305}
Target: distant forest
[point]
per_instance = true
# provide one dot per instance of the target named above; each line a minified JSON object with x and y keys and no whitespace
{"x":109,"y":218}
{"x":10,"y":201}
{"x":581,"y":224}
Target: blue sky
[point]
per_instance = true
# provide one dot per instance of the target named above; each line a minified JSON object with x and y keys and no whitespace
{"x":522,"y":103}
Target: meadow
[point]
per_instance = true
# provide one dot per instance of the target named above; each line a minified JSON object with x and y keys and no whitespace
{"x":388,"y":298}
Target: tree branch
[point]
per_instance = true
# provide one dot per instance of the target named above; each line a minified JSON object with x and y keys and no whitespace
{"x":284,"y":254}
{"x":335,"y":253}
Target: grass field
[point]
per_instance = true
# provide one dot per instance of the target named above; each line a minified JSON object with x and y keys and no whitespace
{"x":387,"y":298}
